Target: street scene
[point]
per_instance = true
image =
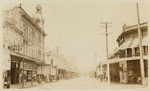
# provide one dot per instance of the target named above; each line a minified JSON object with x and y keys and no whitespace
{"x":75,"y":45}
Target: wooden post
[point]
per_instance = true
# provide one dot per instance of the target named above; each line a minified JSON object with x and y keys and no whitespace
{"x":140,"y":46}
{"x":106,"y":26}
{"x":32,"y":75}
{"x":22,"y":78}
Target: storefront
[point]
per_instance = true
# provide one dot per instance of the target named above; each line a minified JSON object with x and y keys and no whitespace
{"x":114,"y":72}
{"x":61,"y":73}
{"x":6,"y":69}
{"x":22,"y":67}
{"x":134,"y":72}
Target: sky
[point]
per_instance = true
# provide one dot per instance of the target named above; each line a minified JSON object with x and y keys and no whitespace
{"x":76,"y":30}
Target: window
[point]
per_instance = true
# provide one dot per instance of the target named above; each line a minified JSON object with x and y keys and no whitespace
{"x":137,"y":51}
{"x":51,"y":61}
{"x":122,"y":54}
{"x":129,"y":52}
{"x":145,"y":49}
{"x":39,"y":54}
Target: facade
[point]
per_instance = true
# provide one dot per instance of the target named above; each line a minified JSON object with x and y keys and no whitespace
{"x":48,"y":68}
{"x":128,"y":42}
{"x":125,"y":62}
{"x":64,"y":69}
{"x":23,"y":45}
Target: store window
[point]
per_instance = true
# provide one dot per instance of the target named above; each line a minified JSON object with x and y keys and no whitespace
{"x":146,"y":68}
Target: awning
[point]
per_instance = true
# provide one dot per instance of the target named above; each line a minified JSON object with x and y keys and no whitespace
{"x":125,"y":45}
{"x":117,"y":60}
{"x":136,"y":42}
{"x":6,"y":61}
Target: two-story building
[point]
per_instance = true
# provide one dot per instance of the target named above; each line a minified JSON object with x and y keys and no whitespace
{"x":124,"y":63}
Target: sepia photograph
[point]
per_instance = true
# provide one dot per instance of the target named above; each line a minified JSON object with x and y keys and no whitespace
{"x":75,"y":45}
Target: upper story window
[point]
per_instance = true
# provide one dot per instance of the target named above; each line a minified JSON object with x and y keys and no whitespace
{"x":122,"y":54}
{"x":145,"y":49}
{"x":137,"y":51}
{"x":51,"y":61}
{"x":25,"y":29}
{"x":129,"y":52}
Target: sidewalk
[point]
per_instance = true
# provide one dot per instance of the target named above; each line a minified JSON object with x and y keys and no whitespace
{"x":26,"y":85}
{"x":125,"y":85}
{"x":121,"y":85}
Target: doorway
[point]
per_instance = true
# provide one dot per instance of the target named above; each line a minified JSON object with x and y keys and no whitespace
{"x":14,"y":72}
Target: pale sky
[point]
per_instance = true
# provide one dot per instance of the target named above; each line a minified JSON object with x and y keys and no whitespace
{"x":75,"y":28}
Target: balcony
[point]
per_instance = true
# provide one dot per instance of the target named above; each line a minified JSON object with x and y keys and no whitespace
{"x":129,"y":54}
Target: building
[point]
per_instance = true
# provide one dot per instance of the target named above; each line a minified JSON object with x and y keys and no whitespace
{"x":23,"y":44}
{"x":64,"y":68}
{"x":124,"y":63}
{"x":49,"y":68}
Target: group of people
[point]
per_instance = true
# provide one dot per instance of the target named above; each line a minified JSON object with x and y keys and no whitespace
{"x":132,"y":78}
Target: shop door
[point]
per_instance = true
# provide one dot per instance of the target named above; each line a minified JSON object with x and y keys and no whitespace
{"x":134,"y":67}
{"x":14,"y":73}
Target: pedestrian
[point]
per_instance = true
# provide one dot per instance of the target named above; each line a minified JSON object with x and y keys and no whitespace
{"x":139,"y":80}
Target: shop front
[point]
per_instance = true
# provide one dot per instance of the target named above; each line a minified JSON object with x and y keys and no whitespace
{"x":134,"y":71}
{"x":22,"y":70}
{"x":114,"y":72}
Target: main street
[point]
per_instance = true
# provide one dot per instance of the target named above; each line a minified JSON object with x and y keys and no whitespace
{"x":80,"y":82}
{"x":83,"y":82}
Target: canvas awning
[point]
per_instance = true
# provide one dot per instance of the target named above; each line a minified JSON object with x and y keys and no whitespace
{"x":136,"y":42}
{"x":117,"y":60}
{"x":125,"y":45}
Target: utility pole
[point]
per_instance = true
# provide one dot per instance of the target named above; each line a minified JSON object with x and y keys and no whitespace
{"x":140,"y":45}
{"x":106,"y":27}
{"x":57,"y":64}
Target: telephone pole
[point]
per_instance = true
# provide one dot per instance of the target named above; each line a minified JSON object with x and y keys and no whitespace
{"x":106,"y":27}
{"x":140,"y":45}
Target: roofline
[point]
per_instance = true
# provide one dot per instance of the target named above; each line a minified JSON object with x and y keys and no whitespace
{"x":128,"y":28}
{"x":31,"y":19}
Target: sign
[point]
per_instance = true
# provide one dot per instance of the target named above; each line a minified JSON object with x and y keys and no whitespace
{"x":28,"y":66}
